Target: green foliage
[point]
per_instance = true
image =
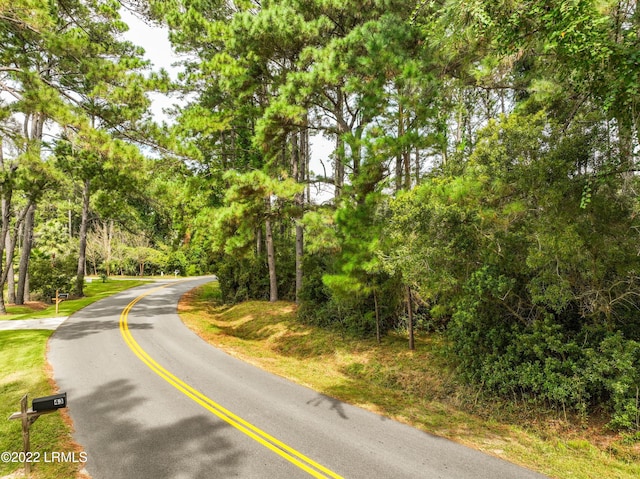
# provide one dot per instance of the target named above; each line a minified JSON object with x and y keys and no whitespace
{"x":355,"y":314}
{"x":351,"y":286}
{"x":52,"y":239}
{"x":531,"y":278}
{"x":48,"y":274}
{"x":242,"y":279}
{"x":613,"y":372}
{"x":519,"y":234}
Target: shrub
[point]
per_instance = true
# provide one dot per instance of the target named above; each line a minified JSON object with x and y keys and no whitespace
{"x":242,"y":279}
{"x":46,"y":275}
{"x":539,"y":287}
{"x":613,"y":373}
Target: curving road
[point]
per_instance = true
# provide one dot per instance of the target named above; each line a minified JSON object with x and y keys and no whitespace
{"x":151,"y":400}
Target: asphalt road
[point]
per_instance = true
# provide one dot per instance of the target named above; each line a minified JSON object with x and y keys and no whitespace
{"x":151,"y":400}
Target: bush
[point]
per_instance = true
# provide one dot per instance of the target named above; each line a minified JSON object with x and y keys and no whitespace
{"x":547,"y":360}
{"x":324,"y":306}
{"x":46,"y":275}
{"x":242,"y":279}
{"x":613,"y":373}
{"x":539,"y":287}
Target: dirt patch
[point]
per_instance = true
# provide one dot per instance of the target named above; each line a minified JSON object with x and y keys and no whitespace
{"x":36,"y":305}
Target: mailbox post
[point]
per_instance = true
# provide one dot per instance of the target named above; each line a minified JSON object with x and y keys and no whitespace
{"x":60,"y":297}
{"x":40,"y":406}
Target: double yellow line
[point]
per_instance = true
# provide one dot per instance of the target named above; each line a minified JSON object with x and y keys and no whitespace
{"x":268,"y":441}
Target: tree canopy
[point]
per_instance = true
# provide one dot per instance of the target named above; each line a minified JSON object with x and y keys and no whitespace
{"x":482,"y":169}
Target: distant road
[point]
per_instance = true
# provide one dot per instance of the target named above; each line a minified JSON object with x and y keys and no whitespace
{"x":151,"y":400}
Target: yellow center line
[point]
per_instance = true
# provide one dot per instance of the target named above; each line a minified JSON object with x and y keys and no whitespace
{"x":268,"y":441}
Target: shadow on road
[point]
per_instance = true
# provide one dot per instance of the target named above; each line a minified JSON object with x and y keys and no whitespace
{"x":334,"y":404}
{"x":71,"y":329}
{"x":96,"y":318}
{"x":120,"y":446}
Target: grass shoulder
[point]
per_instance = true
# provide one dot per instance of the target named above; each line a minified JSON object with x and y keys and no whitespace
{"x":415,"y":387}
{"x":24,"y":369}
{"x":93,"y":291}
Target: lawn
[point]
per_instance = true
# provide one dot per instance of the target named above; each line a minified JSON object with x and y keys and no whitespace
{"x":24,"y":370}
{"x":94,"y":291}
{"x":415,"y":387}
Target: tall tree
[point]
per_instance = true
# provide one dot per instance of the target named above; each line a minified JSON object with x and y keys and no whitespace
{"x":65,"y":65}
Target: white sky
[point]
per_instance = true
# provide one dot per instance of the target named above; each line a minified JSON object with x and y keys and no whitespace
{"x":155,"y":41}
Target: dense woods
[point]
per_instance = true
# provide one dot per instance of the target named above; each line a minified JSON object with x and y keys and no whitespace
{"x":481,"y":181}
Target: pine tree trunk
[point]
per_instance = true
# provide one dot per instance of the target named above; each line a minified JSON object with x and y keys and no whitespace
{"x":22,"y":291}
{"x":406,"y":159}
{"x":27,"y":287}
{"x":271,"y":262}
{"x":11,"y":281}
{"x":5,"y":241}
{"x":82,"y":253}
{"x":9,"y":268}
{"x":306,"y":162}
{"x":400,"y":155}
{"x":338,"y":168}
{"x":417,"y":165}
{"x":299,"y":261}
{"x":377,"y":311}
{"x":259,"y":241}
{"x":12,"y":239}
{"x":23,"y":266}
{"x":107,"y":239}
{"x":412,"y":345}
{"x":298,"y":167}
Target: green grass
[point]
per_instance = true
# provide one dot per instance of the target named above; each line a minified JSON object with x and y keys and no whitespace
{"x":415,"y":387}
{"x":23,"y":369}
{"x":94,"y":291}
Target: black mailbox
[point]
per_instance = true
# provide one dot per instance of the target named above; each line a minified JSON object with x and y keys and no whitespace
{"x":49,"y":403}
